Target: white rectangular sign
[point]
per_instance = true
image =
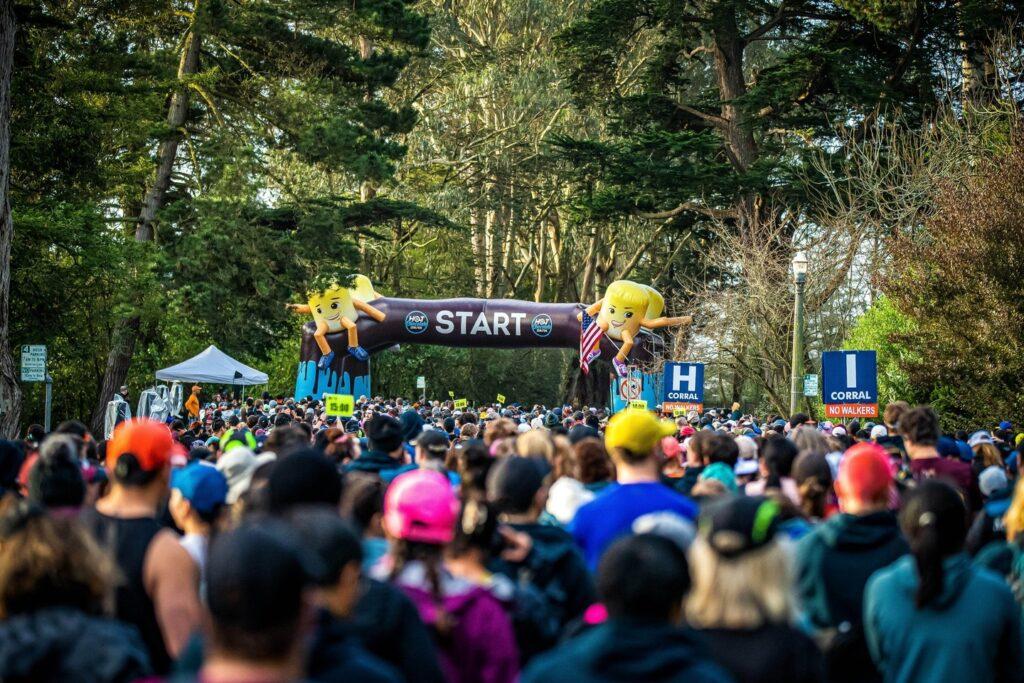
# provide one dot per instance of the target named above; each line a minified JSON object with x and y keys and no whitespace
{"x":33,"y":363}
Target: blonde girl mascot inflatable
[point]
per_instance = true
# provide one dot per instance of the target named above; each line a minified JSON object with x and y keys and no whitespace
{"x":337,"y":308}
{"x":625,"y":307}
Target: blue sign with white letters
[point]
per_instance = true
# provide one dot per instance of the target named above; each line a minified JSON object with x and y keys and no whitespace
{"x":683,"y":383}
{"x":850,"y":379}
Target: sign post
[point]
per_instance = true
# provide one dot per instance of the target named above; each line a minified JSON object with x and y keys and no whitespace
{"x":684,"y":387}
{"x":421,"y":383}
{"x":850,"y":383}
{"x":33,"y":369}
{"x":811,"y":387}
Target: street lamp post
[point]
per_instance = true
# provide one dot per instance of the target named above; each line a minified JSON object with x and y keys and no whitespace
{"x":796,"y":367}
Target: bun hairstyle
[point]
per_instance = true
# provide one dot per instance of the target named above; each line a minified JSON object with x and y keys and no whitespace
{"x":934,"y":521}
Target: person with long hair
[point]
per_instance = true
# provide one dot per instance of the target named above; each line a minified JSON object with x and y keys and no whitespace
{"x":473,"y":634}
{"x":56,"y":588}
{"x":933,"y":615}
{"x":742,"y":599}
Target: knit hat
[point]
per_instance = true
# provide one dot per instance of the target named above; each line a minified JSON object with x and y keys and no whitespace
{"x":384,"y":433}
{"x":721,"y":472}
{"x":736,"y":525}
{"x":865,"y":472}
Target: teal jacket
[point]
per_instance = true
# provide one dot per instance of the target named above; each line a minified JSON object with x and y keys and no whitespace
{"x":835,"y":561}
{"x":971,"y":632}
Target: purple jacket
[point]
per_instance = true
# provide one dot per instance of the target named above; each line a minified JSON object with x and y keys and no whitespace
{"x":481,"y":646}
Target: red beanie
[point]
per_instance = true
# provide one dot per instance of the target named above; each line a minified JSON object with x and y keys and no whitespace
{"x":865,"y":472}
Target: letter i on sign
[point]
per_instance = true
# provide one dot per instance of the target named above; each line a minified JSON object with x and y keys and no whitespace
{"x":851,"y":371}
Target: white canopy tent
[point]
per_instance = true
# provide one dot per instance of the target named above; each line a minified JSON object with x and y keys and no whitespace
{"x":213,"y":366}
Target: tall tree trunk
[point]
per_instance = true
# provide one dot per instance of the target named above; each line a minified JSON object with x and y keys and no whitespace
{"x":126,"y":334}
{"x":10,"y":392}
{"x":478,"y":250}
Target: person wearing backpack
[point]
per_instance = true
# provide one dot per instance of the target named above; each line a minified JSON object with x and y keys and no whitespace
{"x":835,"y":561}
{"x":473,"y":634}
{"x":516,"y":487}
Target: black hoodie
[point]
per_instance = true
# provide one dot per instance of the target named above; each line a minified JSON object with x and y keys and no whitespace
{"x":391,"y":629}
{"x":621,"y":650}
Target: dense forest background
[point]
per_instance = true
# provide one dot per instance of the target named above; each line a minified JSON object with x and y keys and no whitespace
{"x":173,"y":172}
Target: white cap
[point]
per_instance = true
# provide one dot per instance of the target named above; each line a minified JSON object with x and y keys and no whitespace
{"x":878,"y":431}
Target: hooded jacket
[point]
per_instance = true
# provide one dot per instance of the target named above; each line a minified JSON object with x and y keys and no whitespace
{"x":769,"y":653}
{"x":622,"y":650}
{"x":835,"y":561}
{"x":61,"y":644}
{"x":379,"y":463}
{"x":475,"y":644}
{"x":988,"y":525}
{"x":970,"y":632}
{"x":392,"y":630}
{"x":556,"y":567}
{"x":336,"y":654}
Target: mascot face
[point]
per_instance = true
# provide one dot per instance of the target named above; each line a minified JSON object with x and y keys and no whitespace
{"x":623,"y":308}
{"x":331,"y":305}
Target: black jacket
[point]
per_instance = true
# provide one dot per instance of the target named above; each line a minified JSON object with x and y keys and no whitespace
{"x":62,"y":644}
{"x":336,"y":654}
{"x":557,"y":569}
{"x":628,"y":651}
{"x":766,"y":654}
{"x":390,"y":627}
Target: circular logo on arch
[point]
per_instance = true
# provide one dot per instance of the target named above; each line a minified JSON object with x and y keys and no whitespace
{"x":542,"y":325}
{"x":416,"y":322}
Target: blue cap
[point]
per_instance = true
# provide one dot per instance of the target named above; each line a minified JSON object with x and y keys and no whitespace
{"x":966,"y":452}
{"x":203,"y":486}
{"x":1006,"y":424}
{"x":947,"y":447}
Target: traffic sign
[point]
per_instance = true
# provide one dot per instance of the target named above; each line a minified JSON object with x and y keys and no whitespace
{"x":684,"y":387}
{"x":421,"y":382}
{"x":811,"y":387}
{"x":33,"y":363}
{"x":339,"y":405}
{"x":850,"y":383}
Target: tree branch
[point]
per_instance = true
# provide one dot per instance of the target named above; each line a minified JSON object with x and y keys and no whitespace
{"x":688,"y":206}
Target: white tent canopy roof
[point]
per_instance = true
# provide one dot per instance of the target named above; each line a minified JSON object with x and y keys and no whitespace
{"x":213,"y":366}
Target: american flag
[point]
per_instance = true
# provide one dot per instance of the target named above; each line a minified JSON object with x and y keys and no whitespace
{"x":590,"y":339}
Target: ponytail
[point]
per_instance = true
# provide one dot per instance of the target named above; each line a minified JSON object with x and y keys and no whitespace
{"x":927,"y":551}
{"x":403,"y":552}
{"x":934,"y":521}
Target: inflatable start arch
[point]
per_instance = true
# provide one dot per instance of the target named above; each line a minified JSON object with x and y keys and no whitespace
{"x":350,"y":325}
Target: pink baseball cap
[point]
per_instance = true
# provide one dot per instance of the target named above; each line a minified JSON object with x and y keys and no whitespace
{"x":420,"y":506}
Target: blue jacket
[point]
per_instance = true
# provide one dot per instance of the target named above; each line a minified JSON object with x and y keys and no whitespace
{"x":636,"y":652}
{"x":379,"y":463}
{"x":971,"y":632}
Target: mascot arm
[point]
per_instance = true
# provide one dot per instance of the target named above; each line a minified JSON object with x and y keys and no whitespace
{"x":667,"y":322}
{"x":299,"y":308}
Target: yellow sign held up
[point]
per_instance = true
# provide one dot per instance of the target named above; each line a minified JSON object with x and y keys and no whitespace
{"x":461,"y":403}
{"x":501,"y":399}
{"x":339,"y":405}
{"x":678,"y":412}
{"x":451,"y":394}
{"x":638,"y":403}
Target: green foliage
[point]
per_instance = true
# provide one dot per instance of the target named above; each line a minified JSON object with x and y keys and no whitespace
{"x":883,"y":328}
{"x":523,"y":375}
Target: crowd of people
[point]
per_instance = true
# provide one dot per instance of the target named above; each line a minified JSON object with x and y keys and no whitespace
{"x":262,"y":540}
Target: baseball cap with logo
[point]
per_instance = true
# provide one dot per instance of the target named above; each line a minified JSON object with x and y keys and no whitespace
{"x":739,"y":524}
{"x":636,"y":430}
